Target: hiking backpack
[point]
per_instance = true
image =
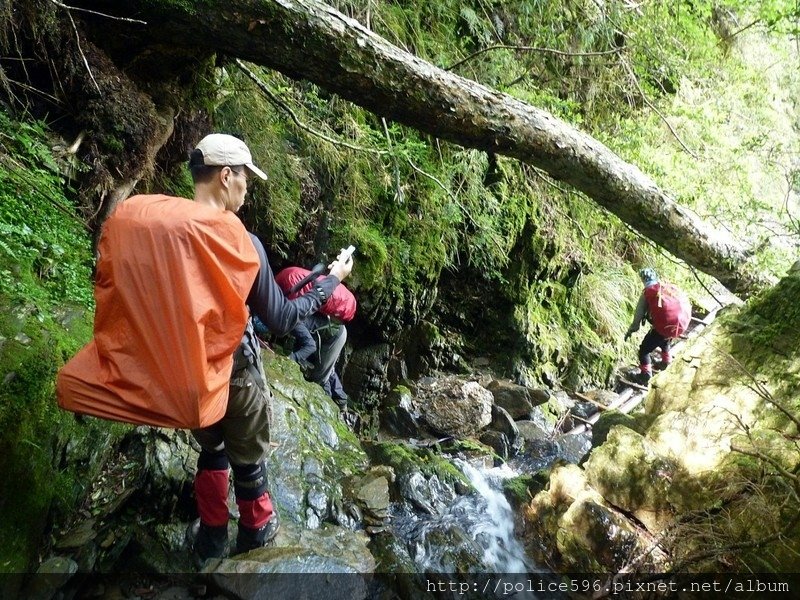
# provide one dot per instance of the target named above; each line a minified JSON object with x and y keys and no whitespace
{"x":341,"y":304}
{"x":669,"y":308}
{"x":172,"y":281}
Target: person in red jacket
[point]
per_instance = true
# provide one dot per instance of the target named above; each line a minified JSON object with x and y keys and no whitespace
{"x":667,"y":308}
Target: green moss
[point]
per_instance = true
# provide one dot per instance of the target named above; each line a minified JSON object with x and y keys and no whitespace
{"x":405,"y":459}
{"x":310,"y":404}
{"x":609,"y":418}
{"x":41,"y":445}
{"x":521,"y":490}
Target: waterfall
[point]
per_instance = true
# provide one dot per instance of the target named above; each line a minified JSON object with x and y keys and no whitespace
{"x":502,"y":552}
{"x":471,"y":533}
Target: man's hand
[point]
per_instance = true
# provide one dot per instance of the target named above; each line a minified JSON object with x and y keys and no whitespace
{"x":341,"y":269}
{"x":628,"y":335}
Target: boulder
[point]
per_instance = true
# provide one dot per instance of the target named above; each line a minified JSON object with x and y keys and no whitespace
{"x":516,"y":399}
{"x":456,"y":407}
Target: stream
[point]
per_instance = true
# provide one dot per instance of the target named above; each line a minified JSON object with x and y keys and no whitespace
{"x":436,"y":527}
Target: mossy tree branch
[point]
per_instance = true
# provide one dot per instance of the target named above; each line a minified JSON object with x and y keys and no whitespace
{"x":306,"y":39}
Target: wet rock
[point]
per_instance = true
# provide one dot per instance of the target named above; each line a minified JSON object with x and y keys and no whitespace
{"x":399,"y":396}
{"x":498,"y":442}
{"x":608,"y":420}
{"x":583,"y":409}
{"x":531,"y":431}
{"x":79,"y":536}
{"x":502,"y":422}
{"x":447,"y":548}
{"x":373,"y":492}
{"x":456,"y":407}
{"x":631,"y":474}
{"x":559,"y":403}
{"x":401,"y":422}
{"x":515,"y":399}
{"x":429,"y":495}
{"x":398,"y":414}
{"x":169,"y":458}
{"x":573,"y":528}
{"x":573,"y":448}
{"x":367,"y":374}
{"x":328,"y":436}
{"x":397,"y":568}
{"x":306,"y":463}
{"x":318,"y":500}
{"x":162,"y":548}
{"x":51,"y":575}
{"x":313,"y":469}
{"x":272,"y":572}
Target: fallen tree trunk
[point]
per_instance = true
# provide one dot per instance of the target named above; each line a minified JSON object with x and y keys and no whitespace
{"x":306,"y":39}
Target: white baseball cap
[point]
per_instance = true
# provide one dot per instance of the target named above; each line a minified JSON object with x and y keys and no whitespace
{"x":223,"y":150}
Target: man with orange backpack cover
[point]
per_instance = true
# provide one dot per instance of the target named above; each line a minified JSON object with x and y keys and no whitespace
{"x":668,"y":309}
{"x":174,"y":346}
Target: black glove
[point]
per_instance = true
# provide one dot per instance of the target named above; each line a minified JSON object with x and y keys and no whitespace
{"x":627,"y":335}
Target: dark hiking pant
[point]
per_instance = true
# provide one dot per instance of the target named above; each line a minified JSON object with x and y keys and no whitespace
{"x":652,"y":341}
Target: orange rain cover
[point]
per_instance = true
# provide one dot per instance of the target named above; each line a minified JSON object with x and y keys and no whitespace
{"x":172,"y":280}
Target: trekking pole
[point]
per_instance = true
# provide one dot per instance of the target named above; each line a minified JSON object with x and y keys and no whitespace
{"x":344,"y":255}
{"x":315,"y":272}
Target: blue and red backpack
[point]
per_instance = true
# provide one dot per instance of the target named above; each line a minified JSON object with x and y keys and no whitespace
{"x":669,"y":307}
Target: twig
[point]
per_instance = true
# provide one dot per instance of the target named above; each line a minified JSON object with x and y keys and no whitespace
{"x":742,"y":29}
{"x":756,"y":453}
{"x":700,"y":281}
{"x":80,"y":51}
{"x":99,"y":14}
{"x":633,"y":384}
{"x":653,"y":107}
{"x":453,"y":197}
{"x":30,"y":88}
{"x":272,"y":97}
{"x":398,"y":191}
{"x":585,"y":398}
{"x":529,"y":49}
{"x":567,"y":193}
{"x":581,"y":419}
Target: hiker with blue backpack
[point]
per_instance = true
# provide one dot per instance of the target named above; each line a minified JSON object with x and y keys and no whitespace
{"x":669,"y":311}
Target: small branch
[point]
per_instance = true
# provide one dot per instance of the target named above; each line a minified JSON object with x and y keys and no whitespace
{"x":708,"y":291}
{"x":756,"y":453}
{"x":25,"y":86}
{"x":99,"y":14}
{"x":529,"y":49}
{"x":452,"y":197}
{"x":567,"y":193}
{"x":398,"y":190}
{"x":727,"y":38}
{"x":653,"y":107}
{"x":80,"y":51}
{"x":272,"y":97}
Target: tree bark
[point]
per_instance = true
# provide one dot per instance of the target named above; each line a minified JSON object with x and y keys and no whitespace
{"x":305,"y":39}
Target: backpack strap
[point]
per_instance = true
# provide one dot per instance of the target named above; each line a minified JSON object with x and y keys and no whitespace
{"x":248,"y":354}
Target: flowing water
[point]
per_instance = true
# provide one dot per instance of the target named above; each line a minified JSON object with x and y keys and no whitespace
{"x":470,"y":533}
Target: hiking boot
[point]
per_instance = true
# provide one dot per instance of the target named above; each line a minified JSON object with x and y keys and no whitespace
{"x":249,"y":539}
{"x":341,"y":400}
{"x":204,"y":542}
{"x":642,"y":378}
